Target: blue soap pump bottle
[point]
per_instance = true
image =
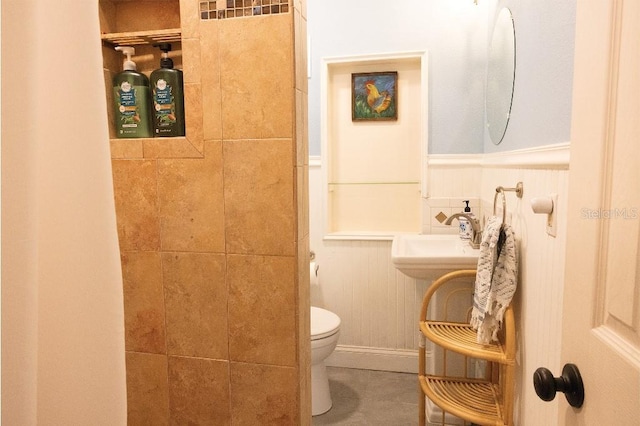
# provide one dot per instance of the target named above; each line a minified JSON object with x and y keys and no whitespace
{"x":465,"y":227}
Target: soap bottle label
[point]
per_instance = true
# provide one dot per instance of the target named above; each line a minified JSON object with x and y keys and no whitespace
{"x":164,"y":105}
{"x":128,"y":106}
{"x":465,"y":228}
{"x":132,"y":110}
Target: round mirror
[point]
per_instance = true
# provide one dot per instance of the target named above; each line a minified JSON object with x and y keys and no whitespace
{"x":501,"y":75}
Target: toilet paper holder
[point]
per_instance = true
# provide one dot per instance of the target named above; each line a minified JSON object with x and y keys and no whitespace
{"x":547,"y":205}
{"x":313,"y":268}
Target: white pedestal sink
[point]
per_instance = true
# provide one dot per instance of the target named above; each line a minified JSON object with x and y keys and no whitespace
{"x":418,"y":255}
{"x":426,"y":257}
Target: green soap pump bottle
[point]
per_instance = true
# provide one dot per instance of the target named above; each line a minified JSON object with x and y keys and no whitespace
{"x":167,"y":86}
{"x":132,"y":99}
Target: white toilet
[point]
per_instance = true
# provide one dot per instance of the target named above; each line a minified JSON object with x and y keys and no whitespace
{"x":325,"y":328}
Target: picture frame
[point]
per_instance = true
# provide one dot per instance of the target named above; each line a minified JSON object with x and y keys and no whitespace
{"x":374,"y":96}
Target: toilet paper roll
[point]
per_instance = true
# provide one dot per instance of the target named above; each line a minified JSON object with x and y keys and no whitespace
{"x":313,"y":273}
{"x":542,"y":205}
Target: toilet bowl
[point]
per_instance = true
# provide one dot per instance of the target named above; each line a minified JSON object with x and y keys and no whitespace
{"x":325,"y":328}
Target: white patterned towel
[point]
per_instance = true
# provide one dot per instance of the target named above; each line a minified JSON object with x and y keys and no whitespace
{"x":496,"y":279}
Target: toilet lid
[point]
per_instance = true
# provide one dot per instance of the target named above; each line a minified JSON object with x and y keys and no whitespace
{"x":323,"y":323}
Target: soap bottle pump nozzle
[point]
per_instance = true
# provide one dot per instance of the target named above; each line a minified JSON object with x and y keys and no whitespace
{"x":467,"y":209}
{"x":128,"y":51}
{"x":165,"y":61}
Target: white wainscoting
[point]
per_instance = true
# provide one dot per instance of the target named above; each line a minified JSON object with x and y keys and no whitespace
{"x":538,"y":302}
{"x":379,"y":306}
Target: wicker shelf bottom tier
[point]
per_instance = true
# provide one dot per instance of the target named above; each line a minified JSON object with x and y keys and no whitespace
{"x":470,"y":399}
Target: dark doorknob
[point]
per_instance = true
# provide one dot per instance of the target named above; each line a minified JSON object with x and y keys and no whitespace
{"x":570,"y":383}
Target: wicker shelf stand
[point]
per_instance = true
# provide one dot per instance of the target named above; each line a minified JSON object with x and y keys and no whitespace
{"x":487,"y":400}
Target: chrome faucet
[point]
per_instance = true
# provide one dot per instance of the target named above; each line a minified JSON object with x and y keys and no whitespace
{"x":476,"y":232}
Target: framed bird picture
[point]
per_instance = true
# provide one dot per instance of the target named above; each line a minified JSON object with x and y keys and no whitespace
{"x":374,"y":96}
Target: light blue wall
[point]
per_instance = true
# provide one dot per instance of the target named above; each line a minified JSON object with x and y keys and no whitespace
{"x":456,"y":35}
{"x":541,"y":110}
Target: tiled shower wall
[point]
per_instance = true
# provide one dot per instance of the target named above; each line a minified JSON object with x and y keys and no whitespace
{"x":213,"y":231}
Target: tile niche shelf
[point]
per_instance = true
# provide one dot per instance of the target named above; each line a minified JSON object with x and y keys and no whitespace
{"x":141,"y":25}
{"x":134,"y":38}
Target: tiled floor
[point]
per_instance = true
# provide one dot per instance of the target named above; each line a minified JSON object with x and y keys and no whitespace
{"x":371,"y":398}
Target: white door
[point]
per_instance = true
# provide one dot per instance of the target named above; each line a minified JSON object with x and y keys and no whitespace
{"x":601,"y":323}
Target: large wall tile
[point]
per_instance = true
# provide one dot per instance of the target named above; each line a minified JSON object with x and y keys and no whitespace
{"x":193,"y":115}
{"x":147,"y":390}
{"x":264,"y":395}
{"x":191,"y":202}
{"x":302,"y":201}
{"x":170,"y":148}
{"x":210,"y":60}
{"x":196,"y":304}
{"x":300,"y":39}
{"x":191,"y":60}
{"x":262,"y":309}
{"x":302,"y":131}
{"x":300,"y":151}
{"x":136,"y":198}
{"x":305,"y":132}
{"x":256,"y":79}
{"x":144,"y":320}
{"x":189,"y":18}
{"x":199,"y":391}
{"x":259,"y":199}
{"x":126,"y":148}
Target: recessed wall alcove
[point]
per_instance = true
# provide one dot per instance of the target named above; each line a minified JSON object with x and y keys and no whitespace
{"x":374,"y":173}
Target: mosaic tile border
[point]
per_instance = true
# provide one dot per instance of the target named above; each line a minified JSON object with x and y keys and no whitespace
{"x":222,"y":9}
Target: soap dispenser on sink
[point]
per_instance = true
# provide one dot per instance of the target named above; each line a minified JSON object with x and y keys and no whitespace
{"x":469,"y":226}
{"x":466,"y":229}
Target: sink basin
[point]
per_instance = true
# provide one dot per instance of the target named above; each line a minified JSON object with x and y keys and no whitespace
{"x":419,"y":255}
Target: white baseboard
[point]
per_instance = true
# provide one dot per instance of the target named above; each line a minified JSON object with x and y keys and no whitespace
{"x":403,"y":361}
